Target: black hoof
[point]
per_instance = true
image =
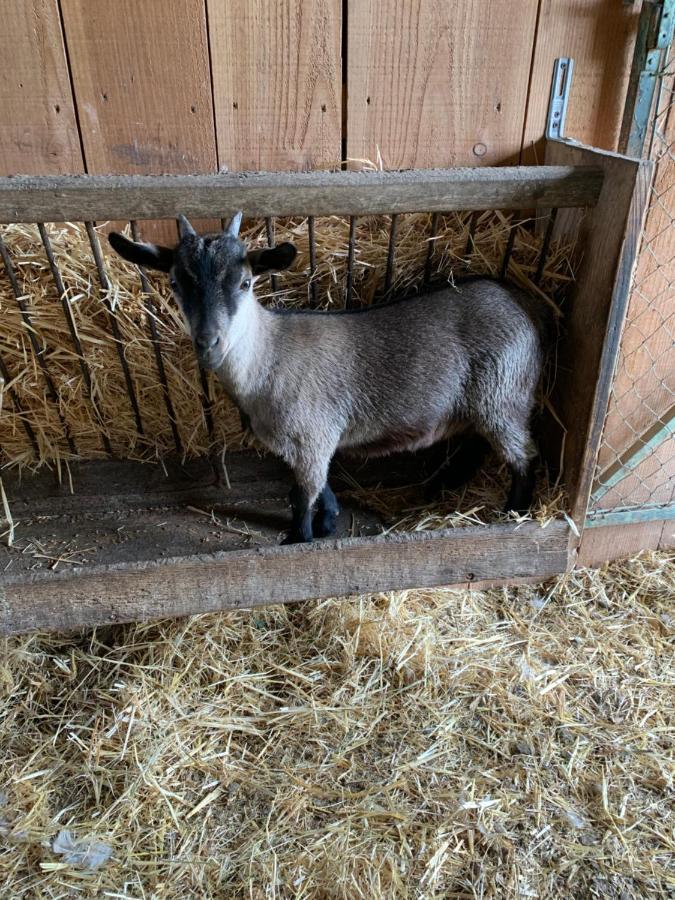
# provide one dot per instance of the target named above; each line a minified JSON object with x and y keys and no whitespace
{"x":293,"y":538}
{"x":324,"y":524}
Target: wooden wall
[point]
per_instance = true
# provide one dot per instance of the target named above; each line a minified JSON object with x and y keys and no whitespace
{"x":197,"y":85}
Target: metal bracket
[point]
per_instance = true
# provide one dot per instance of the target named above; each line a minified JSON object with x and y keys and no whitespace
{"x":558,"y":100}
{"x":655,"y":34}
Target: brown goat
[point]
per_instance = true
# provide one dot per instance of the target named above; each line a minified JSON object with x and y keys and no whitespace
{"x":399,"y":376}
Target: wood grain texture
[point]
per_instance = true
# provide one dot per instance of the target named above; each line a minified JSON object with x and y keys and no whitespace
{"x":606,"y":543}
{"x":245,"y":578}
{"x":277,"y":83}
{"x":609,"y":235}
{"x":142,"y":86}
{"x":600,"y":36}
{"x":435,"y":83}
{"x":38,"y":132}
{"x":301,"y":193}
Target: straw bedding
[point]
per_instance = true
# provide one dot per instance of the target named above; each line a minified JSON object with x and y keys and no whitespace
{"x":511,"y":743}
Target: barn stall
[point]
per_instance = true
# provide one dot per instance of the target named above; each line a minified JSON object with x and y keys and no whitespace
{"x":130,"y":391}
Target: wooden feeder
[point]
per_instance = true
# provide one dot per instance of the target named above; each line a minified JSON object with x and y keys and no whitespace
{"x":163,"y":568}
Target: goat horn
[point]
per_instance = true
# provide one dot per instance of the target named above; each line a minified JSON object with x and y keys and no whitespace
{"x":184,"y":228}
{"x":235,"y":224}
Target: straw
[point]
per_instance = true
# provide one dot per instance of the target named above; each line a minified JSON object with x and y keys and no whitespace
{"x":509,"y":743}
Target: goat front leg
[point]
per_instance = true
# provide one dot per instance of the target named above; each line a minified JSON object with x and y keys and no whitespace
{"x":310,"y":486}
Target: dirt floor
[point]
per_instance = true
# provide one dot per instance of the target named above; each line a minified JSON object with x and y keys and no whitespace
{"x":511,"y":743}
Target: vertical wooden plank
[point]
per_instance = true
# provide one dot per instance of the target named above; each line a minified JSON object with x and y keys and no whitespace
{"x":277,"y":83}
{"x":438,"y":84}
{"x":609,"y":235}
{"x":600,"y":36}
{"x":142,"y":86}
{"x":38,"y":135}
{"x":608,"y":542}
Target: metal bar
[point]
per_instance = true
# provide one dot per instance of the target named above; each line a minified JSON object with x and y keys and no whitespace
{"x":72,"y":328}
{"x":655,"y":34}
{"x":269,"y":228}
{"x":546,"y":244}
{"x":38,"y":351}
{"x":431,"y":244}
{"x":18,"y":409}
{"x":558,"y":100}
{"x":71,"y":198}
{"x":154,"y":337}
{"x":105,"y":285}
{"x":312,"y":259}
{"x":389,"y":274}
{"x":350,"y":262}
{"x":509,"y":245}
{"x":660,"y":432}
{"x":473,"y":222}
{"x":630,"y":516}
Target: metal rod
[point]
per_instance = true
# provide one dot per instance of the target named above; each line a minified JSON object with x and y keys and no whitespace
{"x":269,"y":228}
{"x":18,"y":409}
{"x":631,"y":516}
{"x":389,"y":275}
{"x":105,"y":285}
{"x":543,"y":253}
{"x":468,"y":250}
{"x":154,"y":337}
{"x":68,"y":313}
{"x":38,"y":351}
{"x":350,"y":262}
{"x":509,"y":245}
{"x":431,"y":245}
{"x":312,"y":260}
{"x":206,"y":401}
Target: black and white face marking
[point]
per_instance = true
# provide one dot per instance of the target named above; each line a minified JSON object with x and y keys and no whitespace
{"x":211,"y":277}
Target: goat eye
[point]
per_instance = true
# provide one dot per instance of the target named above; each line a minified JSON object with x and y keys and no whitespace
{"x":246,"y":284}
{"x":173,"y":284}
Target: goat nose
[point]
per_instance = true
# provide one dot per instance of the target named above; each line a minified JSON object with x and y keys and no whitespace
{"x":208,"y":341}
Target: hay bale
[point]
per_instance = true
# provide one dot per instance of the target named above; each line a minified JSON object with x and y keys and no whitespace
{"x":510,"y":743}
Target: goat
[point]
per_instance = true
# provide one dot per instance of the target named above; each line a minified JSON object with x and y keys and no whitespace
{"x":393,"y":377}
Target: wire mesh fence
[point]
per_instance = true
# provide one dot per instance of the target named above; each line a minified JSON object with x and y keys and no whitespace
{"x":636,"y":464}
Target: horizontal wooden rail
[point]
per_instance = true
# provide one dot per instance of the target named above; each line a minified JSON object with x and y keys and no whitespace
{"x":95,"y":595}
{"x":26,"y":198}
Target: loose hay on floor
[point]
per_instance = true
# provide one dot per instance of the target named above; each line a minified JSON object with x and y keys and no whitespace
{"x":511,"y":743}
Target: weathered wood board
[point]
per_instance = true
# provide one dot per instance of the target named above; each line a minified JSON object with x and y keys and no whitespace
{"x":302,"y":193}
{"x":277,"y":83}
{"x":609,"y":236}
{"x":135,"y":541}
{"x":438,"y":84}
{"x":38,"y":131}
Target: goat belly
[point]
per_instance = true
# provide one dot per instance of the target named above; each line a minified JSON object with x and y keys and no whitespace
{"x":396,"y":441}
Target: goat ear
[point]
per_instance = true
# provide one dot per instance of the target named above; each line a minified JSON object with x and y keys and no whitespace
{"x":184,"y":228}
{"x":274,"y":259}
{"x":150,"y":255}
{"x":235,"y":224}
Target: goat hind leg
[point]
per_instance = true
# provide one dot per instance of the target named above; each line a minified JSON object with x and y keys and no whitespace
{"x":327,"y":513}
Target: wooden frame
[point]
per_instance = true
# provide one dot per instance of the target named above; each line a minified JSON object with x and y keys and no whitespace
{"x":109,"y":589}
{"x":99,"y":197}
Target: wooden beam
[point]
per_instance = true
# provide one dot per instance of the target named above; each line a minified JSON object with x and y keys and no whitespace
{"x":91,"y":197}
{"x":279,"y":574}
{"x":608,"y":237}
